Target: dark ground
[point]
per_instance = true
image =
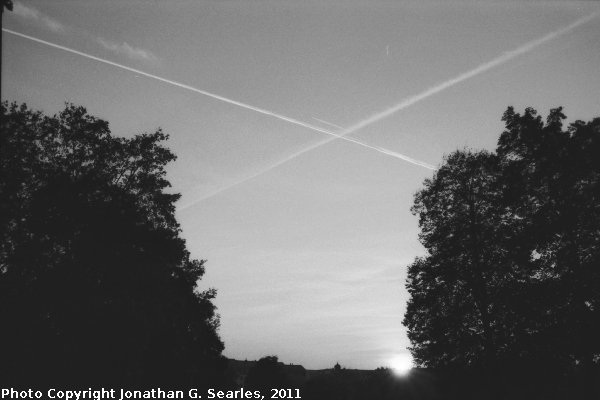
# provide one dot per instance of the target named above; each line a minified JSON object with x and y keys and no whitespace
{"x":427,"y":384}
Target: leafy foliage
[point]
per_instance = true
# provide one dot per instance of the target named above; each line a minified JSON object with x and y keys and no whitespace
{"x":459,"y":280}
{"x":96,"y":285}
{"x":513,"y":251}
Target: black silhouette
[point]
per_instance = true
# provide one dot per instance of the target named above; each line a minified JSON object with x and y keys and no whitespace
{"x":509,"y":290}
{"x":96,"y":285}
{"x":266,"y":374}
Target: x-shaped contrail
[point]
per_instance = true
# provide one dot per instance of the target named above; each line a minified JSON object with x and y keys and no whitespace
{"x":222,"y":98}
{"x":407,"y":102}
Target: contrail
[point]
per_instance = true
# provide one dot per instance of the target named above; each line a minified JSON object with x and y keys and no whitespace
{"x":224,"y":99}
{"x":298,"y":153}
{"x":377,"y":148}
{"x":329,"y":123}
{"x":291,"y":157}
{"x":253,"y":175}
{"x":507,"y":56}
{"x":409,"y":101}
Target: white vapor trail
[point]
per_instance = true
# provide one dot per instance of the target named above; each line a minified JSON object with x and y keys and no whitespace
{"x":328,"y":123}
{"x":253,"y":174}
{"x":507,"y":56}
{"x":291,"y":157}
{"x":224,"y":99}
{"x":409,"y":101}
{"x":298,"y":153}
{"x":383,"y":150}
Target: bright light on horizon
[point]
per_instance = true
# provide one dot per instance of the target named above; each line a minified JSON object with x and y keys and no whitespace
{"x":402,"y":364}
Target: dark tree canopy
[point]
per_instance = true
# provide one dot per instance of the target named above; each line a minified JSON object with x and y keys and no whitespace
{"x":512,"y":270}
{"x":551,"y":185}
{"x":96,"y":284}
{"x":457,"y":283}
{"x":8,"y":4}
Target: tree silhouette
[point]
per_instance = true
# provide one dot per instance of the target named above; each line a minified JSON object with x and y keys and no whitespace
{"x":454,"y":290}
{"x":511,"y":273}
{"x":96,"y":285}
{"x":551,"y":182}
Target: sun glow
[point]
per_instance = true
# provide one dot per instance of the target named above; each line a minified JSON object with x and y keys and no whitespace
{"x":402,"y":364}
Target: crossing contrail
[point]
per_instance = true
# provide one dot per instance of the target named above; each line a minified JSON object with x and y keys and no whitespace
{"x":409,"y":101}
{"x":507,"y":56}
{"x":377,"y":148}
{"x":294,"y":155}
{"x":289,"y":158}
{"x":224,"y":99}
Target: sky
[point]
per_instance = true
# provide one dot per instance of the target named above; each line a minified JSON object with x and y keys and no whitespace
{"x":307,"y":236}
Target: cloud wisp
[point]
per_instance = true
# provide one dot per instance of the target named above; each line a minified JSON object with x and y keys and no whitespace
{"x":39,"y":18}
{"x":126,"y":49}
{"x":33,"y":14}
{"x":225,"y":99}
